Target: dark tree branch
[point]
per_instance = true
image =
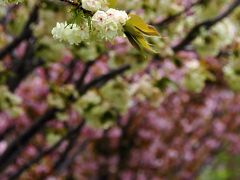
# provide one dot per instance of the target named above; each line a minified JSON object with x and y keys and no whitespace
{"x":13,"y":150}
{"x":62,"y":158}
{"x":4,"y":20}
{"x":206,"y":24}
{"x":71,"y":67}
{"x":21,"y":68}
{"x":58,"y":164}
{"x":80,"y":82}
{"x":72,"y":133}
{"x":171,"y":18}
{"x":99,"y":81}
{"x":25,"y":34}
{"x":6,"y":132}
{"x":71,"y":2}
{"x":77,"y":5}
{"x":71,"y":159}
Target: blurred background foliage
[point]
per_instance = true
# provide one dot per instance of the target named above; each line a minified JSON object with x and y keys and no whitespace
{"x":105,"y":110}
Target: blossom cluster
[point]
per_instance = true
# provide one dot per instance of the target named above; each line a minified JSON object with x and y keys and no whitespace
{"x":105,"y":24}
{"x":101,"y":107}
{"x":10,"y":102}
{"x":71,"y":33}
{"x":231,"y":74}
{"x":196,"y":76}
{"x":144,"y":90}
{"x":210,"y":42}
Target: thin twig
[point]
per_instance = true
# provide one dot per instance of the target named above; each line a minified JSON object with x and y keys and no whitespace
{"x":25,"y":34}
{"x":171,"y":18}
{"x":46,"y":152}
{"x":11,"y":153}
{"x":86,"y":69}
{"x":99,"y":81}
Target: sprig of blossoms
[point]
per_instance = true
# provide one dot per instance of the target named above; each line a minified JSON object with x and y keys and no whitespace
{"x":104,"y":23}
{"x":72,"y":33}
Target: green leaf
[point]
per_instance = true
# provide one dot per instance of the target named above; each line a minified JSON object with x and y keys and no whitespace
{"x":139,"y":25}
{"x":139,"y":42}
{"x":144,"y":44}
{"x":135,"y":29}
{"x":132,"y":40}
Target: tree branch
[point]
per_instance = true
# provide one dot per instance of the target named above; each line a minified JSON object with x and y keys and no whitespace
{"x":99,"y":81}
{"x":205,"y":24}
{"x":11,"y":153}
{"x":80,"y":82}
{"x":21,"y":68}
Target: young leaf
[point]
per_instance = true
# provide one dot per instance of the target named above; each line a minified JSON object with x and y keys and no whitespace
{"x":144,"y":44}
{"x":141,"y":26}
{"x":135,"y":29}
{"x":132,"y":40}
{"x":112,"y":3}
{"x":139,"y":42}
{"x":132,"y":29}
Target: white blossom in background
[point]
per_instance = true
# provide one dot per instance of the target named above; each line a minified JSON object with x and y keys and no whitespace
{"x":101,"y":107}
{"x":196,"y":76}
{"x":211,"y":41}
{"x":9,"y":102}
{"x":194,"y":64}
{"x":94,"y":5}
{"x":231,"y":74}
{"x":145,"y":90}
{"x":116,"y":93}
{"x":72,"y":33}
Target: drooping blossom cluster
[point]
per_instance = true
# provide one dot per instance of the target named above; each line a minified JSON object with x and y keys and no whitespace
{"x":105,"y":24}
